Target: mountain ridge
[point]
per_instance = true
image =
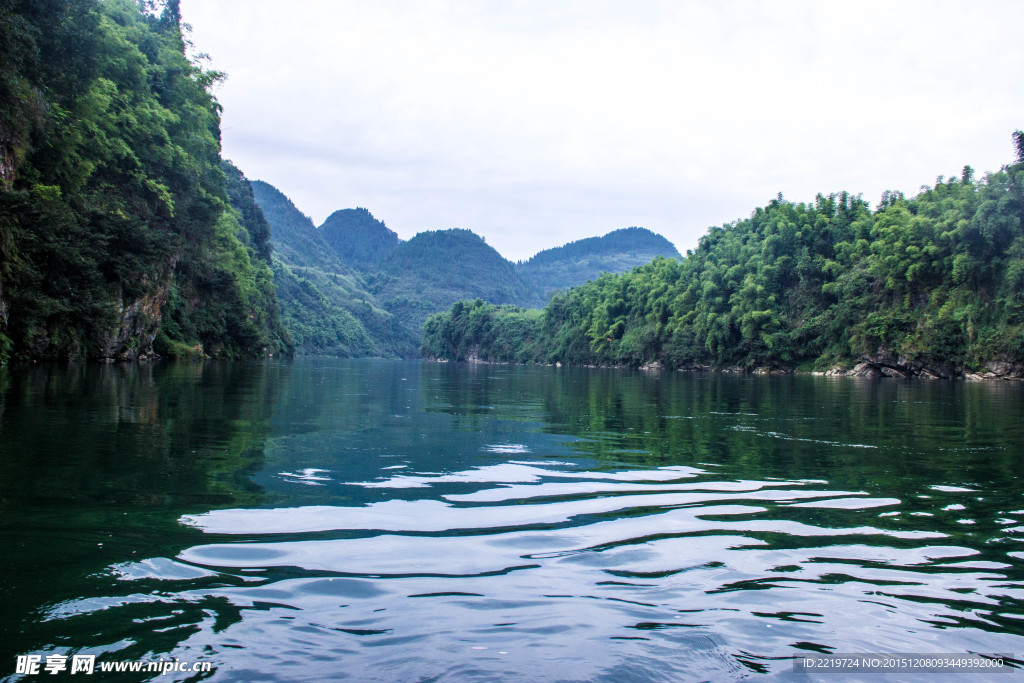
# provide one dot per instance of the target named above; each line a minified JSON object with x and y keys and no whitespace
{"x":354,"y":257}
{"x":359,"y":238}
{"x":929,"y":286}
{"x":558,"y":268}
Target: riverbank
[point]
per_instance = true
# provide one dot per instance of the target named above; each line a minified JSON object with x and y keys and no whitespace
{"x":882,"y":365}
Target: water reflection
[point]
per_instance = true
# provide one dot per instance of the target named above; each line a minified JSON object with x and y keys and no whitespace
{"x":400,"y":521}
{"x":97,"y":462}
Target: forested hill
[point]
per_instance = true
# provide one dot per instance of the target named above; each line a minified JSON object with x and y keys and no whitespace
{"x":573,"y":264}
{"x":326,"y":305}
{"x":116,"y":234}
{"x":352,"y":288}
{"x":296,"y":240}
{"x":359,"y":238}
{"x":438,"y":267}
{"x":931,"y":285}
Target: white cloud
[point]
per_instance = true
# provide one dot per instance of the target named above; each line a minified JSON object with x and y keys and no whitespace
{"x":535,"y":123}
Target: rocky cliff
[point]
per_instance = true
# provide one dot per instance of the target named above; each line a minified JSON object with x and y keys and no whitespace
{"x":885,"y":364}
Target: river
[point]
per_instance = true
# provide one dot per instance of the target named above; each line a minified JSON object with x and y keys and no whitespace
{"x":396,"y":521}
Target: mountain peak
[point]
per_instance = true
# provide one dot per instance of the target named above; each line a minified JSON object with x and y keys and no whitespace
{"x":358,"y":237}
{"x":574,"y":263}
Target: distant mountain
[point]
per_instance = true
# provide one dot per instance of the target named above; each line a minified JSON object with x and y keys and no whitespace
{"x":296,"y":240}
{"x":359,"y":238}
{"x":352,"y":288}
{"x":329,"y":315}
{"x":434,"y":269}
{"x":577,"y":262}
{"x":325,"y":304}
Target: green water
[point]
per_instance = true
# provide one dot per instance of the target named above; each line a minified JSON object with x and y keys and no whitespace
{"x":370,"y":520}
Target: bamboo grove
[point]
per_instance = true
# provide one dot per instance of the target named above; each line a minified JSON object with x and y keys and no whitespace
{"x":936,"y":279}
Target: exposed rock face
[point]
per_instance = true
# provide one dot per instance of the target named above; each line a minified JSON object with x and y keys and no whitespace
{"x":6,"y":164}
{"x":765,"y":370}
{"x":874,"y":367}
{"x":3,"y":308}
{"x":131,"y":337}
{"x":128,"y":337}
{"x":884,"y":364}
{"x":6,"y":178}
{"x":695,"y":367}
{"x":999,"y":369}
{"x":897,"y":366}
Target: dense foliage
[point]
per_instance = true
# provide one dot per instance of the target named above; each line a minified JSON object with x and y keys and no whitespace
{"x":935,"y":282}
{"x":436,"y":268}
{"x":296,"y":240}
{"x":478,"y":331}
{"x":553,"y":270}
{"x":254,"y":233}
{"x":115,"y":224}
{"x":325,"y":304}
{"x":352,"y":288}
{"x":359,"y":238}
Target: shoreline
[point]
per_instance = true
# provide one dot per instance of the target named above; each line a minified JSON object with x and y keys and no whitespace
{"x":866,"y":368}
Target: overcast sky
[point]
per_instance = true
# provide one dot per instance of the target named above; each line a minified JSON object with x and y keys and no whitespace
{"x":537,"y":123}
